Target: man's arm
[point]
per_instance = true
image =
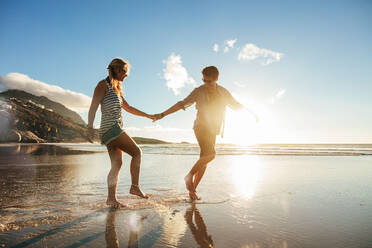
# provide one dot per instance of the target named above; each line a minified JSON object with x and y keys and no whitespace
{"x":171,"y":110}
{"x":231,"y":101}
{"x":234,"y":104}
{"x":188,"y":101}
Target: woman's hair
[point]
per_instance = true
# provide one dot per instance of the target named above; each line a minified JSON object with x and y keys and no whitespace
{"x":210,"y":71}
{"x":116,"y":64}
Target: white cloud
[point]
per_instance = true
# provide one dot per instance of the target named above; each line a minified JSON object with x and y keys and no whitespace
{"x":253,"y":52}
{"x":70,"y":99}
{"x":240,"y":85}
{"x":278,"y":95}
{"x":175,"y":74}
{"x":215,"y":47}
{"x":157,"y":131}
{"x":231,"y":43}
{"x":155,"y":127}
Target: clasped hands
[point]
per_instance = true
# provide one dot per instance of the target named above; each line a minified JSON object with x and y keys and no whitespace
{"x":156,"y":117}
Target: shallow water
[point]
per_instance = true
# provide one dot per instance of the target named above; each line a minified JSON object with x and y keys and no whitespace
{"x":54,"y":195}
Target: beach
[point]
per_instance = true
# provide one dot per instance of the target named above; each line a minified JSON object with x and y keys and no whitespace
{"x":53,"y":195}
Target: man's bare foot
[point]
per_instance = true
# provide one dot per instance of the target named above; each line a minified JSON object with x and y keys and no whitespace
{"x":188,"y":182}
{"x":116,"y":204}
{"x":135,"y":190}
{"x":193,"y":196}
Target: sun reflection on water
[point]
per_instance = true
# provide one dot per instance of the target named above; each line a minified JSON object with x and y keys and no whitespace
{"x":246,"y":173}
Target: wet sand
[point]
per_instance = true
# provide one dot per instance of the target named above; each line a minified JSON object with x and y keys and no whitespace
{"x":54,"y":196}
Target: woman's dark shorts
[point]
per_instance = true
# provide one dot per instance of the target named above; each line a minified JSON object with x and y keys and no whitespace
{"x":206,"y":141}
{"x":111,"y":134}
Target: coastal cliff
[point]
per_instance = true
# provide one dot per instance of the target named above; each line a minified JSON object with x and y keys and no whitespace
{"x":31,"y":119}
{"x":27,"y":118}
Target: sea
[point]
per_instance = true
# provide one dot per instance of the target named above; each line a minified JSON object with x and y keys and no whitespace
{"x":268,"y":195}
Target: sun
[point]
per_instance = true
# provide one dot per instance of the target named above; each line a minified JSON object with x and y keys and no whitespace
{"x":241,"y":127}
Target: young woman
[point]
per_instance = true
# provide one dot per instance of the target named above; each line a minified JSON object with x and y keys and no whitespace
{"x":211,"y":100}
{"x":109,"y":94}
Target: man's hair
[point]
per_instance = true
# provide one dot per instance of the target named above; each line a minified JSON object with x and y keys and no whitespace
{"x":210,"y":71}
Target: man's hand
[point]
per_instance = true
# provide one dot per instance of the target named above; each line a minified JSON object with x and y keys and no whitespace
{"x":252,"y":113}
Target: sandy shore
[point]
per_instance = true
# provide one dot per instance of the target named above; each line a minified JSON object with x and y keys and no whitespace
{"x":56,"y":199}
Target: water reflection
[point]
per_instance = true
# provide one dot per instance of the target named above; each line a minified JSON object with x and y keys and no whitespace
{"x":199,"y":231}
{"x":39,"y":149}
{"x":111,"y":234}
{"x":47,"y":181}
{"x":157,"y":229}
{"x":246,"y":173}
{"x":174,"y":227}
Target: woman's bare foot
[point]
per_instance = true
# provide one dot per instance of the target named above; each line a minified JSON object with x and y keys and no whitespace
{"x":116,"y":204}
{"x":193,"y":196}
{"x":188,"y":182}
{"x":135,"y":190}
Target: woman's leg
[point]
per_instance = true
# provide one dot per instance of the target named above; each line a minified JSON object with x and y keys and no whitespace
{"x":125,"y":143}
{"x":112,"y":178}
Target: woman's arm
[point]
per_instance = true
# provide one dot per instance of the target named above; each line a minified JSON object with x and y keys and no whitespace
{"x":133,"y":110}
{"x":99,"y":92}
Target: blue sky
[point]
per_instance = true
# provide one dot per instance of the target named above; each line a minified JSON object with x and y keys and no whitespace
{"x":323,"y":72}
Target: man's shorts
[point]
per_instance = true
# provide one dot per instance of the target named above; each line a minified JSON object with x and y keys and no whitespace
{"x":206,"y":140}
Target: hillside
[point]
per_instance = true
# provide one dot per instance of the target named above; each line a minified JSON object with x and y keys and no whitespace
{"x":46,"y":102}
{"x":32,"y":119}
{"x":26,"y":121}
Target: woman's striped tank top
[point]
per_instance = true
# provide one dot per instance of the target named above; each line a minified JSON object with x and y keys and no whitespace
{"x":110,"y":109}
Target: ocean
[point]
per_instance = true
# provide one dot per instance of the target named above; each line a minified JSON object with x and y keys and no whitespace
{"x":277,"y":195}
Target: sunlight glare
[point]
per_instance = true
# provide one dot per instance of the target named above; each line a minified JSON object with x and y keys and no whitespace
{"x":241,"y":127}
{"x":246,"y":173}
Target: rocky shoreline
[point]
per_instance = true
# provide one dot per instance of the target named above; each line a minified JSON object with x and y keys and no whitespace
{"x":25,"y":118}
{"x":26,"y":121}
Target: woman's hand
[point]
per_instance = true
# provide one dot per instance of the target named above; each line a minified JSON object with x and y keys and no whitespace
{"x":90,"y":136}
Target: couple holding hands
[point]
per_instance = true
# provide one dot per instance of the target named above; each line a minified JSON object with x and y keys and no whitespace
{"x":211,"y":100}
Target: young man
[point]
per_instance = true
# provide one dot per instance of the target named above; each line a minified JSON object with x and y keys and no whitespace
{"x":211,"y":100}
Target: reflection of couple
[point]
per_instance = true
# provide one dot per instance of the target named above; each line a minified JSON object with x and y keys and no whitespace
{"x":198,"y":230}
{"x":111,"y":235}
{"x":210,"y":98}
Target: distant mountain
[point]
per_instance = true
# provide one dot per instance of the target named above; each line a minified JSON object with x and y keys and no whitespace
{"x":46,"y":102}
{"x":141,"y":140}
{"x":24,"y":119}
{"x":28,"y":118}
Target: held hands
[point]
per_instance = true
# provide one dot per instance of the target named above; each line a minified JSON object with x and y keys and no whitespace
{"x":156,"y":117}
